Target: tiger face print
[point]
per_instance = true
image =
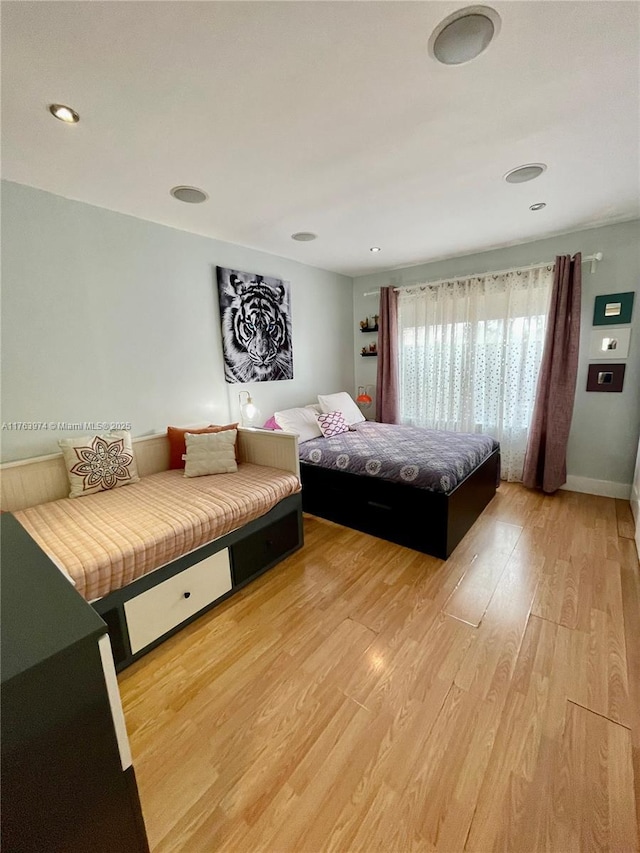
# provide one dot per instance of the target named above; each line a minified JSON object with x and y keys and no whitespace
{"x":256,"y":332}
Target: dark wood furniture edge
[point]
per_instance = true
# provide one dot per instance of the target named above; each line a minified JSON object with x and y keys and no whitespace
{"x":58,"y":731}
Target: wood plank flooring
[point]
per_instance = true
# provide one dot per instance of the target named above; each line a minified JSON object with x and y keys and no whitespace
{"x":363,"y":697}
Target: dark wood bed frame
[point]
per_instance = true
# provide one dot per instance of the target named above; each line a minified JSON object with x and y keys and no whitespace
{"x":430,"y":522}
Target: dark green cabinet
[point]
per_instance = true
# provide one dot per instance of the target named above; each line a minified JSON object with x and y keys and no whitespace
{"x":68,"y":785}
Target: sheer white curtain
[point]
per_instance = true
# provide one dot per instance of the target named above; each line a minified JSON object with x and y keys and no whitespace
{"x":469,"y":354}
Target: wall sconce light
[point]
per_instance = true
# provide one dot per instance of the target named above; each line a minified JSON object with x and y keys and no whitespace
{"x":249,"y":413}
{"x":364,"y":398}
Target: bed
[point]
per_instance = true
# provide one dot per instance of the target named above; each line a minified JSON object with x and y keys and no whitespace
{"x":419,"y":488}
{"x":108,"y":540}
{"x":153,"y":556}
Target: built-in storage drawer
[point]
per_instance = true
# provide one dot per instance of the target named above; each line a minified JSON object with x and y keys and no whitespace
{"x":260,"y":550}
{"x":154,"y":612}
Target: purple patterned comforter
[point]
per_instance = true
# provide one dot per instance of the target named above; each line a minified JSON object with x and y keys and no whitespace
{"x":424,"y":458}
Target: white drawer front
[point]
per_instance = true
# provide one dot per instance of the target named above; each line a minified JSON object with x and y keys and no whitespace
{"x":113,"y":692}
{"x":154,"y":612}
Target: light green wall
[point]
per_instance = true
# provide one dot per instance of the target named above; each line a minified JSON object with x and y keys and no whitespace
{"x":604,"y":433}
{"x":110,"y":318}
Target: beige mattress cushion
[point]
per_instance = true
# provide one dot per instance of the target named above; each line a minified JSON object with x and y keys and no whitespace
{"x":105,"y":541}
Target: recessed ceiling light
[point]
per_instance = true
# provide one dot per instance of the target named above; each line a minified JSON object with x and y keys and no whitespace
{"x":64,"y":113}
{"x":524,"y":173}
{"x":304,"y":236}
{"x":190,"y":195}
{"x":374,"y":249}
{"x":464,"y":35}
{"x":538,"y":206}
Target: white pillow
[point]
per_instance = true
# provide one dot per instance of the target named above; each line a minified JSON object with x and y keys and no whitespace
{"x":302,"y":421}
{"x":210,"y":453}
{"x":97,"y":463}
{"x":341,"y":402}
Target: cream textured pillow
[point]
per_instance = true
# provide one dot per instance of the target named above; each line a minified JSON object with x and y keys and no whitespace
{"x":302,"y":421}
{"x":341,"y":402}
{"x":210,"y":453}
{"x":97,"y":463}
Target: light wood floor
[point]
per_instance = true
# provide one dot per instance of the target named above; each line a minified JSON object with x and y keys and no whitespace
{"x":364,"y":697}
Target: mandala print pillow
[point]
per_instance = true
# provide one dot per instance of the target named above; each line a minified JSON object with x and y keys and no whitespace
{"x":332,"y":423}
{"x":97,"y":463}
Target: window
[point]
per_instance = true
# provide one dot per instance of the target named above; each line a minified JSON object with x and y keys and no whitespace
{"x":470,"y":353}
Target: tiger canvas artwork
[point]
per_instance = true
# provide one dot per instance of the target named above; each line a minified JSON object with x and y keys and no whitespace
{"x":255,"y":312}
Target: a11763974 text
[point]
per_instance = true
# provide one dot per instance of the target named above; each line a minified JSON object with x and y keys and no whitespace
{"x":65,"y":426}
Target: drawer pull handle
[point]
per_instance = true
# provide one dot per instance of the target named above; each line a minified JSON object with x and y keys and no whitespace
{"x":187,"y":594}
{"x":269,"y":543}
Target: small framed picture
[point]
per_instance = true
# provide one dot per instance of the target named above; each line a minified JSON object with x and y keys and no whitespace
{"x":613,"y":309}
{"x":605,"y":377}
{"x":614,"y":343}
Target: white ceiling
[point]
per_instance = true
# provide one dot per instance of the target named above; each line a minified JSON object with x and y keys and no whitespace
{"x":328,"y":117}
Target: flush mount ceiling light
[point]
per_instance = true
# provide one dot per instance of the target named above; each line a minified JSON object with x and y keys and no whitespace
{"x":464,"y":35}
{"x":304,"y":236}
{"x":375,"y":249}
{"x":64,"y":113}
{"x":190,"y":195}
{"x":538,"y":206}
{"x":524,"y":173}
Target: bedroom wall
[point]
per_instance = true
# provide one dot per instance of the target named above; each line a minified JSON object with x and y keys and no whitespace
{"x":605,"y":427}
{"x":110,"y":318}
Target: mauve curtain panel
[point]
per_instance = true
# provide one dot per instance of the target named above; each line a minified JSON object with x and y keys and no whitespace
{"x":387,"y":392}
{"x":545,"y":463}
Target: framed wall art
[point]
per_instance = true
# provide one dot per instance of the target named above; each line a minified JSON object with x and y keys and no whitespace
{"x":612,"y":343}
{"x":613,"y":308}
{"x":605,"y":377}
{"x":255,"y":312}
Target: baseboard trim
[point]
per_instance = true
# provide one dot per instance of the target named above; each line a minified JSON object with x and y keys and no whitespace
{"x":605,"y":488}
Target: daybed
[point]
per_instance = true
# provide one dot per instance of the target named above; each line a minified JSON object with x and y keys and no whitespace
{"x":153,"y":555}
{"x":420,"y":488}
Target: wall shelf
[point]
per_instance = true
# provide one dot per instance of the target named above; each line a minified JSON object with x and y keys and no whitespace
{"x":368,"y":354}
{"x":368,"y":328}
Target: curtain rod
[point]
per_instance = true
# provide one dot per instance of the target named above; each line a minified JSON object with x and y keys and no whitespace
{"x":598,"y":256}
